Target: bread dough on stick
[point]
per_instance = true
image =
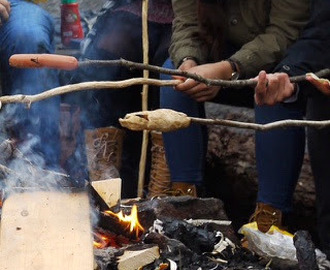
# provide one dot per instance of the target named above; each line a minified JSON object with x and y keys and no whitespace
{"x":163,"y":120}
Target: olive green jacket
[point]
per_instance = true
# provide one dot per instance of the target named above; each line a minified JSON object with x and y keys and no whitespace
{"x":262,"y":29}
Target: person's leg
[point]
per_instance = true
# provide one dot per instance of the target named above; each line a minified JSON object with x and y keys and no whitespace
{"x":279,"y":155}
{"x":115,"y":35}
{"x":185,"y":149}
{"x":319,"y":149}
{"x":30,"y":29}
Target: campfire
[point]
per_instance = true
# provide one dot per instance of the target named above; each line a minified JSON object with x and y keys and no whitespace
{"x":147,"y":234}
{"x":168,"y":233}
{"x":131,"y":229}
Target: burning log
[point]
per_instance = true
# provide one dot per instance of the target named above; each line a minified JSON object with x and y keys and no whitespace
{"x":122,"y":224}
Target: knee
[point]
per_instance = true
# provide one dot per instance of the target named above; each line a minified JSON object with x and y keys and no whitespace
{"x":32,"y":41}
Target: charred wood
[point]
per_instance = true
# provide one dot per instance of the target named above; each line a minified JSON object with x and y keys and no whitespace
{"x":305,"y":250}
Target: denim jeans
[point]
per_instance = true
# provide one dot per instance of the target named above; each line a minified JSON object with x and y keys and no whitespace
{"x":279,"y":155}
{"x":186,"y":148}
{"x":30,"y":29}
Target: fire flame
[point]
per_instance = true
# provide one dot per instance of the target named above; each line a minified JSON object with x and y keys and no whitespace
{"x":101,"y":241}
{"x":131,"y":221}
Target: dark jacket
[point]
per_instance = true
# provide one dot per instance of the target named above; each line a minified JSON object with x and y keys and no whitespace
{"x":262,"y":29}
{"x":311,"y":52}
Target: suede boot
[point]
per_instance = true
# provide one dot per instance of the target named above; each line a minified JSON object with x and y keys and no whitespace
{"x":104,"y":148}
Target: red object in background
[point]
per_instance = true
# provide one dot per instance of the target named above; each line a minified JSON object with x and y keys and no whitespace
{"x":71,"y":27}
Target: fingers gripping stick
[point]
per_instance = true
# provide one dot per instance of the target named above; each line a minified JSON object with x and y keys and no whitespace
{"x":55,"y":61}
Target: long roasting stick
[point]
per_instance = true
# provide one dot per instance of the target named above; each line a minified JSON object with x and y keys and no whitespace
{"x":71,"y":63}
{"x":29,"y":99}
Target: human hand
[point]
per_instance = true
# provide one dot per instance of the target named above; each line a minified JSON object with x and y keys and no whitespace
{"x":4,"y":11}
{"x":321,"y":84}
{"x":200,"y":91}
{"x":272,"y":88}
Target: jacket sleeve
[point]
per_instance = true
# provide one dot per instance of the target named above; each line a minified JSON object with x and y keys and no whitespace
{"x":185,"y":38}
{"x":286,"y":19}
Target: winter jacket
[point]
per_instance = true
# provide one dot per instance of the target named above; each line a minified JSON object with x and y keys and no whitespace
{"x":311,"y":52}
{"x":261,"y":29}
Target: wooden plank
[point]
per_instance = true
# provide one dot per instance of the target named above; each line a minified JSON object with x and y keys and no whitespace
{"x":109,"y":190}
{"x":136,"y":259}
{"x":46,"y":231}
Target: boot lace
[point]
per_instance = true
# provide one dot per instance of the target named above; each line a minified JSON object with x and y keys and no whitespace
{"x":105,"y":149}
{"x":160,"y":180}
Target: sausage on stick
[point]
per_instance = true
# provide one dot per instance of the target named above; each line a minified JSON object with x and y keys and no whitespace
{"x":55,"y":61}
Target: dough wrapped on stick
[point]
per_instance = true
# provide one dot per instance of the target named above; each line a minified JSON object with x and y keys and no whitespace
{"x":163,"y":120}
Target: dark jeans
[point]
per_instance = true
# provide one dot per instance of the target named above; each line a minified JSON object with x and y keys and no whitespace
{"x":280,"y":155}
{"x":185,"y":148}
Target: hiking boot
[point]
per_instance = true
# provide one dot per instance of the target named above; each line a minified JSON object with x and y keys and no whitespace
{"x":266,"y":216}
{"x":183,"y":189}
{"x":160,"y":178}
{"x":104,"y":148}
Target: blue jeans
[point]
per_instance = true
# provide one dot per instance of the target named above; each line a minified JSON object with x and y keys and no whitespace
{"x":30,"y":29}
{"x":186,"y":148}
{"x":279,"y":156}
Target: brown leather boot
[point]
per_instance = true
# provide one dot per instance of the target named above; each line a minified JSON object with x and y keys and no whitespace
{"x":183,"y":189}
{"x":160,"y":178}
{"x":266,"y":216}
{"x":104,"y":148}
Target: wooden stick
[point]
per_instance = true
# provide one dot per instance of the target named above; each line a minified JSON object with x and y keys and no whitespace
{"x":145,"y":92}
{"x":262,"y":127}
{"x":69,"y":63}
{"x":29,"y":99}
{"x":224,"y":83}
{"x":165,"y":120}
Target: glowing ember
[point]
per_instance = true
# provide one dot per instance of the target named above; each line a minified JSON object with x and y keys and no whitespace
{"x":104,"y":240}
{"x":101,"y":240}
{"x":130,"y":221}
